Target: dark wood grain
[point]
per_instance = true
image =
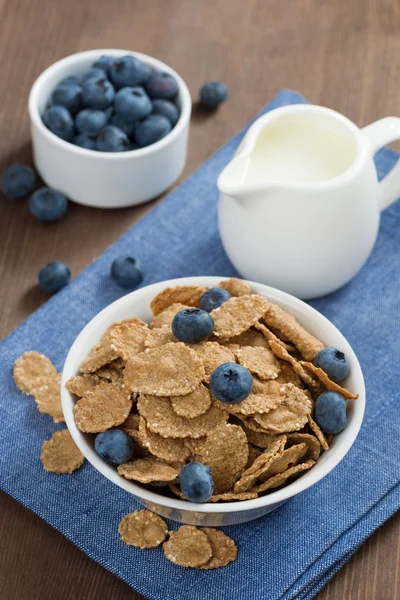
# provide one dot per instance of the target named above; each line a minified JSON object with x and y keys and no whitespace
{"x":341,"y":53}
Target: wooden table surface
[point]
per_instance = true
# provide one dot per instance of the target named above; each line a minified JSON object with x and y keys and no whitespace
{"x":339,"y":53}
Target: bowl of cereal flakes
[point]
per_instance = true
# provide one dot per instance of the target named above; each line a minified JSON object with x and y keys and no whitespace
{"x":212,"y":401}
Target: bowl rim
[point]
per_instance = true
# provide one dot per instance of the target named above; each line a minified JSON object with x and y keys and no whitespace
{"x":308,"y":479}
{"x":78,"y":57}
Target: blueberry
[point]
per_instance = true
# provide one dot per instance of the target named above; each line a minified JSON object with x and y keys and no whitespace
{"x":126,"y":272}
{"x":69,"y":96}
{"x":192,"y":325}
{"x":128,"y":71}
{"x":231,"y":383}
{"x":128,"y":126}
{"x":213,"y":93}
{"x":105,"y":63}
{"x":196,"y":482}
{"x":47,"y":204}
{"x":95,"y":73}
{"x":112,"y":139}
{"x":59,"y":120}
{"x":84,"y":141}
{"x":114,"y":445}
{"x":98,"y":93}
{"x":90,"y":121}
{"x":161,"y":85}
{"x":330,"y":412}
{"x":152,"y":129}
{"x":17,"y":182}
{"x":333,"y":362}
{"x":213,"y":298}
{"x":168,"y":109}
{"x":54,"y":276}
{"x":71,"y":80}
{"x":132,"y":103}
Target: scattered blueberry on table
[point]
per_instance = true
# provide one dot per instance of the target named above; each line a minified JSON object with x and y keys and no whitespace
{"x":114,"y":446}
{"x":213,"y":298}
{"x":231,"y":383}
{"x":47,"y":204}
{"x":137,"y":102}
{"x":54,"y":276}
{"x":333,"y":362}
{"x":213,"y":93}
{"x":196,"y":482}
{"x":17,"y":182}
{"x":330,"y":412}
{"x":126,"y":272}
{"x":192,"y":325}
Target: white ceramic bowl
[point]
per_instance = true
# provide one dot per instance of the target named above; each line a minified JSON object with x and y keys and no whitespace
{"x":106,"y":179}
{"x":138,"y":304}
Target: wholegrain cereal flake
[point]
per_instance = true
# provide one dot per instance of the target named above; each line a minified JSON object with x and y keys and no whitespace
{"x":160,"y":336}
{"x":80,"y":384}
{"x":188,"y":547}
{"x":289,"y":458}
{"x":234,"y":497}
{"x":297,"y":367}
{"x":284,"y":322}
{"x":162,"y":419}
{"x":238,"y":314}
{"x":313,"y":444}
{"x":260,"y":465}
{"x":101,"y":354}
{"x":270,"y":336}
{"x":32,"y":371}
{"x":223,"y":548}
{"x":60,"y":454}
{"x":259,"y":361}
{"x":212,"y":355}
{"x":108,"y":405}
{"x":48,"y":399}
{"x":192,"y":405}
{"x":128,"y":337}
{"x":291,"y":415}
{"x":142,"y":529}
{"x":168,"y":449}
{"x":172,"y":370}
{"x":225,"y":451}
{"x":236,"y":287}
{"x":281,"y":478}
{"x":318,"y":433}
{"x":165,"y":318}
{"x":188,"y":295}
{"x":147,"y":470}
{"x":327,"y":382}
{"x":264,"y":396}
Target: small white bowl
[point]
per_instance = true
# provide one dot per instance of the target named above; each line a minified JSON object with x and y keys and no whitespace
{"x":106,"y":179}
{"x":138,"y":304}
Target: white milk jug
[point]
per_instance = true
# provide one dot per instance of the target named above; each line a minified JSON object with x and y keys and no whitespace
{"x":300,"y":201}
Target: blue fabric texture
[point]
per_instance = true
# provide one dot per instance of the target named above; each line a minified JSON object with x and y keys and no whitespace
{"x":289,"y":554}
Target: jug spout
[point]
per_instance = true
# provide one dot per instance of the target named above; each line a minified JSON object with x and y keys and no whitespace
{"x":231,"y":181}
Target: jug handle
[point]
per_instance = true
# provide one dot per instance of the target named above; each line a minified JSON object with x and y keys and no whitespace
{"x":379,"y":134}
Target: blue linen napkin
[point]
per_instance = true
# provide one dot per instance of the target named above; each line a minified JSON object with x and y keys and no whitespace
{"x":289,"y":554}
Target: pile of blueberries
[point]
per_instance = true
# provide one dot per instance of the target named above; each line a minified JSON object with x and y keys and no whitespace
{"x":120,"y":104}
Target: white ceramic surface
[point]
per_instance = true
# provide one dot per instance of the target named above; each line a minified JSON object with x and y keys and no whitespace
{"x":305,"y":227}
{"x":138,"y":304}
{"x":106,"y":179}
